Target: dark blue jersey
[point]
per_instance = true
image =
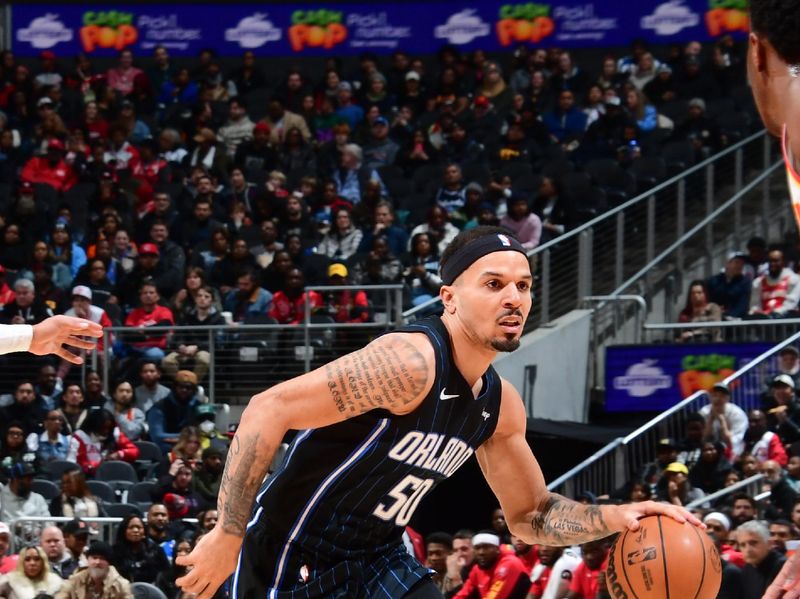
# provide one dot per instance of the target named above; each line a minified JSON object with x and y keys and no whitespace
{"x":348,"y":490}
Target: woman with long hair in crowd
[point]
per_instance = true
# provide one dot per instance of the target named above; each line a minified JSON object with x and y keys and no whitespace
{"x":32,"y":576}
{"x":183,"y":302}
{"x":166,"y":579}
{"x":187,"y":449}
{"x":137,"y":557}
{"x":421,"y":272}
{"x":130,"y":419}
{"x":698,"y":308}
{"x":76,"y":499}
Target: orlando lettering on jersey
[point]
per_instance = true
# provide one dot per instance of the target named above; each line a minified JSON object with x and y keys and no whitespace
{"x":423,"y":450}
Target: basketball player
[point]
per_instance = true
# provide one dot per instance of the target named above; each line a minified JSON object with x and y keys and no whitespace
{"x":379,"y":428}
{"x":49,"y":337}
{"x":773,"y":68}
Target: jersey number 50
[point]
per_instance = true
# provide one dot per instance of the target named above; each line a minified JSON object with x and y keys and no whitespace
{"x":406,"y":497}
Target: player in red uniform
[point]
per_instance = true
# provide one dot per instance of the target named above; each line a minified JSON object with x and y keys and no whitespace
{"x":496,"y":574}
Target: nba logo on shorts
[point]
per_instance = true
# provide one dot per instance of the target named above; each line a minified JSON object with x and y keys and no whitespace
{"x":504,"y":240}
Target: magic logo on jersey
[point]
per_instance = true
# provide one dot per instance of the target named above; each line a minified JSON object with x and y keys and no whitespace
{"x":792,"y":177}
{"x":436,"y":453}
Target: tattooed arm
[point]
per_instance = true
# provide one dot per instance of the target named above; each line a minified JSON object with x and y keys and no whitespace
{"x":535,"y":514}
{"x":392,"y":373}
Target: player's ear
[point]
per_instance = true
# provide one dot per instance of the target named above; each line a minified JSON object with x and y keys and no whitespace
{"x":758,"y":52}
{"x":446,"y":293}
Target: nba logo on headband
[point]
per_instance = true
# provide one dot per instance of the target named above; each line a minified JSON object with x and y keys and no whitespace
{"x":504,"y":240}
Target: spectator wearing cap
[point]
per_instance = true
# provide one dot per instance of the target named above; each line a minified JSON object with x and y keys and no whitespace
{"x":666,"y":453}
{"x":99,"y":580}
{"x":525,"y":225}
{"x":148,"y":314}
{"x":206,"y":421}
{"x":82,"y":307}
{"x":700,"y":129}
{"x":380,"y":150}
{"x":76,"y":536}
{"x":345,"y":306}
{"x":148,"y":269}
{"x":789,"y":363}
{"x":607,"y":133}
{"x":776,"y":293}
{"x":239,"y":127}
{"x":7,"y":562}
{"x":661,"y":89}
{"x":48,"y":74}
{"x":719,"y":524}
{"x":208,"y":476}
{"x":692,"y":80}
{"x":17,"y":501}
{"x":495,"y":573}
{"x":25,"y":309}
{"x":781,"y":407}
{"x":191,"y":348}
{"x":176,"y":411}
{"x":50,"y":169}
{"x":280,"y":121}
{"x":208,"y":153}
{"x":725,"y":421}
{"x":343,"y":239}
{"x":100,"y":440}
{"x":353,"y":175}
{"x":674,"y":486}
{"x":346,"y":109}
{"x":730,"y":289}
{"x":64,"y":249}
{"x":257,"y":154}
{"x":31,"y":577}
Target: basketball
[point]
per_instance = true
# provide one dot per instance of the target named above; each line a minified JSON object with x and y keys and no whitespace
{"x":663,"y":559}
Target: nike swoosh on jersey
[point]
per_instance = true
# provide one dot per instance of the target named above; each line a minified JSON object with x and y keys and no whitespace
{"x":443,"y":395}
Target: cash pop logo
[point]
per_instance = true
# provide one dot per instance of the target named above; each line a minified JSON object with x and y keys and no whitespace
{"x":727,"y":16}
{"x":319,"y":28}
{"x":524,"y":23}
{"x":107,"y":29}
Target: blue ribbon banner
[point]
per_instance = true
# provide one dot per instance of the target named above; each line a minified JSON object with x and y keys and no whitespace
{"x":649,"y":378}
{"x":348,"y":29}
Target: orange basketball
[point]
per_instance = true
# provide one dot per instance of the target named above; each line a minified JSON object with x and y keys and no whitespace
{"x":663,"y":560}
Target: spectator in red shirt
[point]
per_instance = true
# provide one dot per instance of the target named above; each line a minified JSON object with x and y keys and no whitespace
{"x":585,"y":582}
{"x":7,"y":294}
{"x":100,"y":440}
{"x":346,"y":306}
{"x":51,"y":168}
{"x":528,"y":554}
{"x":288,"y":304}
{"x":150,"y":313}
{"x":719,"y":524}
{"x":495,"y":575}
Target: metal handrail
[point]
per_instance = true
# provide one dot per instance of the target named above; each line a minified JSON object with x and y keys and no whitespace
{"x":585,"y":463}
{"x":725,"y":491}
{"x":698,"y":227}
{"x":644,"y":196}
{"x":723,"y":324}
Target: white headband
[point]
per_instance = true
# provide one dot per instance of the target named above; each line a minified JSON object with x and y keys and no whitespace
{"x":719,"y":517}
{"x":486,"y":538}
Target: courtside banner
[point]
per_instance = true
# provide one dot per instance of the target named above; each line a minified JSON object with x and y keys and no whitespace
{"x":653,"y":378}
{"x":349,"y":29}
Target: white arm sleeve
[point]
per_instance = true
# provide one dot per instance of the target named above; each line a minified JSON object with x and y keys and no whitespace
{"x":15,"y":337}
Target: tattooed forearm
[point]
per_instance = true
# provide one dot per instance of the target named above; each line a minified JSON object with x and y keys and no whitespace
{"x":244,"y":472}
{"x":389,"y":373}
{"x":561,"y":521}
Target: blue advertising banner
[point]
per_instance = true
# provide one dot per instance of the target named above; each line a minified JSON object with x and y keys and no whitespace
{"x":342,"y":29}
{"x":648,"y":378}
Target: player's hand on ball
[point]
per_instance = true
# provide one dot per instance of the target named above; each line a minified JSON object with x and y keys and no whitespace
{"x":628,"y":515}
{"x":787,"y":583}
{"x":210,"y":563}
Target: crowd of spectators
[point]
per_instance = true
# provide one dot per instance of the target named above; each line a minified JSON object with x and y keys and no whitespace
{"x":162,"y":193}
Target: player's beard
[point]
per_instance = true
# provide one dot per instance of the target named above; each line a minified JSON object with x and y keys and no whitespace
{"x":504,"y":345}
